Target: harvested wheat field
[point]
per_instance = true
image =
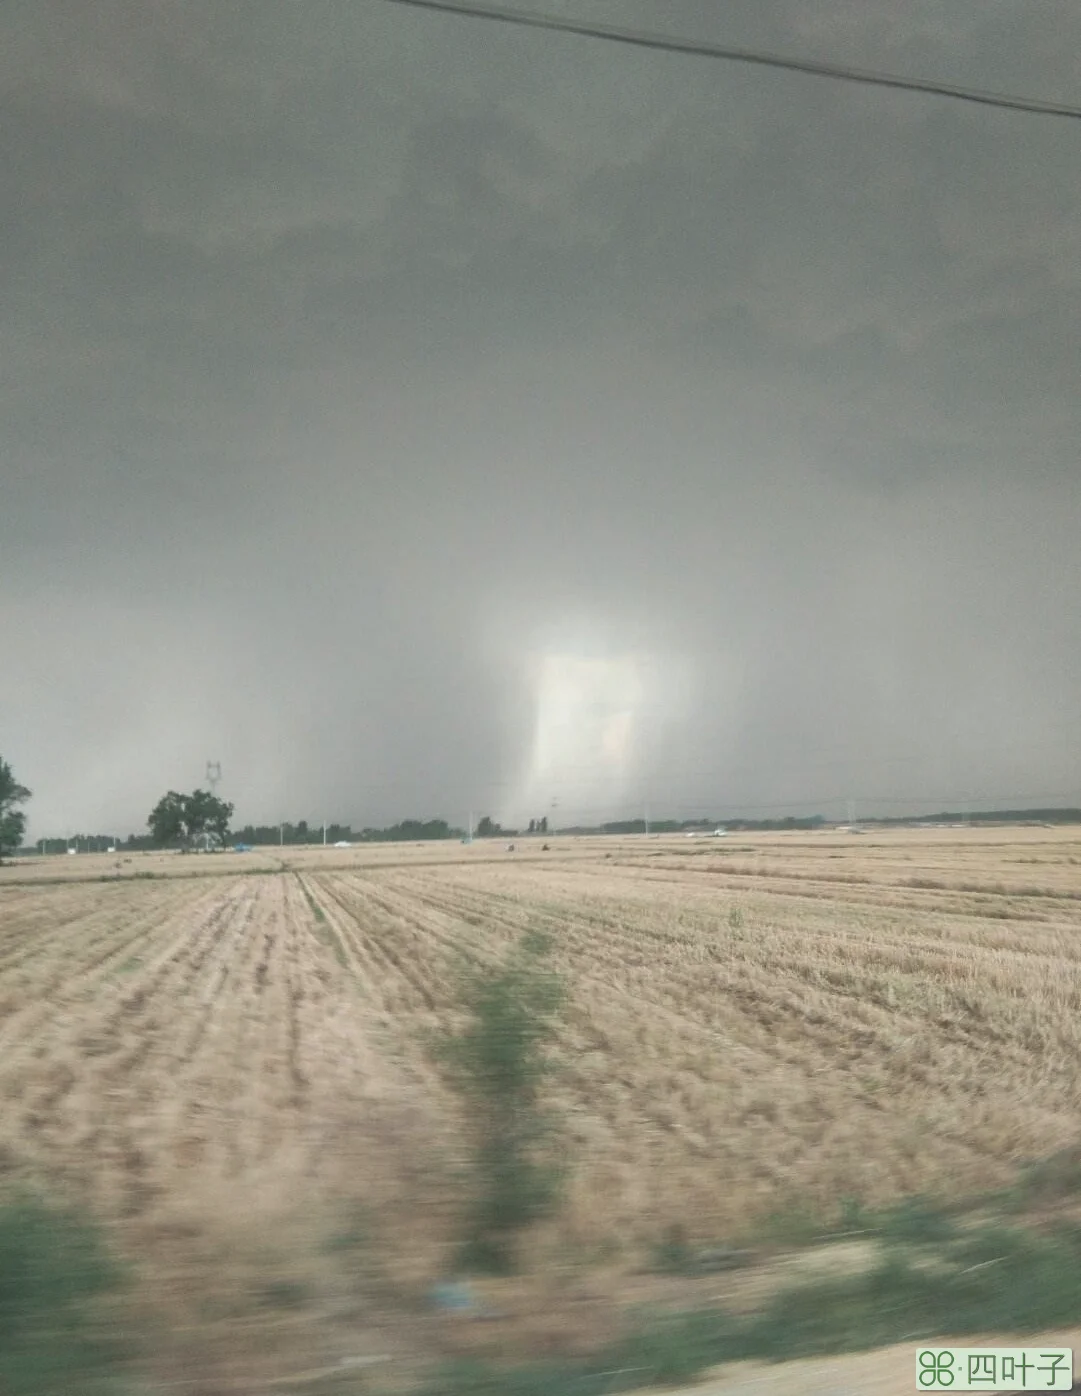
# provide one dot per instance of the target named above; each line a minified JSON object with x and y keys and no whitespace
{"x":228,"y":1061}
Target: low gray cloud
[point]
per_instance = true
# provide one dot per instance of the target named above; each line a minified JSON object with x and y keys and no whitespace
{"x":352,"y":366}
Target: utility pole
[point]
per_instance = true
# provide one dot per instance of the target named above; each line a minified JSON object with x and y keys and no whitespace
{"x":281,"y":834}
{"x":324,"y":833}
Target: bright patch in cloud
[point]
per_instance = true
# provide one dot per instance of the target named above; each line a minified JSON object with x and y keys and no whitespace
{"x":587,"y":734}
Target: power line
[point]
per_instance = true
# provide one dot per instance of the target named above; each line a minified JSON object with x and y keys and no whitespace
{"x":671,"y":44}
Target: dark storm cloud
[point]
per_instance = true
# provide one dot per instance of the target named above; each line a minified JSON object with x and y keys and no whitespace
{"x":356,"y":359}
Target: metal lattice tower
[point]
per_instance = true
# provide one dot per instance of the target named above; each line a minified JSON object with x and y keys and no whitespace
{"x":213,"y":776}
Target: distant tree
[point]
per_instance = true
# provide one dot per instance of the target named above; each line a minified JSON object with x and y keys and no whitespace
{"x":489,"y":829}
{"x":542,"y":827}
{"x":206,"y":814}
{"x":12,"y":819}
{"x":187,"y":818}
{"x":532,"y":826}
{"x":411,"y":831}
{"x":166,"y":819}
{"x":221,"y":812}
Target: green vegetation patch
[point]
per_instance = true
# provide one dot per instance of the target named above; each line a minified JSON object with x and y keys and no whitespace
{"x":932,"y":1279}
{"x":499,"y":1063}
{"x":53,"y":1268}
{"x":323,"y":928}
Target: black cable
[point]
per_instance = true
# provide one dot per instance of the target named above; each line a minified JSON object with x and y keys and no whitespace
{"x":735,"y":55}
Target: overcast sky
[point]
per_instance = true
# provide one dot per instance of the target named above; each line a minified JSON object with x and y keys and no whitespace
{"x":419,"y":414}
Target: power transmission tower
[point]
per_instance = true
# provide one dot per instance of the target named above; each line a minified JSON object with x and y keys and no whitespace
{"x":213,"y":776}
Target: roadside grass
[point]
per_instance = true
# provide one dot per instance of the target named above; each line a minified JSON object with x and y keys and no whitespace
{"x":797,"y":1226}
{"x":934,"y":1274}
{"x":993,"y":1278}
{"x":54,"y":1270}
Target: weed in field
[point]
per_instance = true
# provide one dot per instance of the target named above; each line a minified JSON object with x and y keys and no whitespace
{"x":323,"y":929}
{"x":671,"y":1348}
{"x":499,"y":1064}
{"x":316,"y":909}
{"x":470,"y":1378}
{"x":852,"y":1215}
{"x":915,"y":1219}
{"x":673,"y":1254}
{"x":354,"y":1234}
{"x":1049,"y":1180}
{"x":793,"y":1224}
{"x":283,"y":1294}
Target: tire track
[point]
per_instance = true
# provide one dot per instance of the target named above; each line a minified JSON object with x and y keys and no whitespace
{"x":383,"y":962}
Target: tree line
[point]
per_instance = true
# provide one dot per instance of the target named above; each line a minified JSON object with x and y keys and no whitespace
{"x":186,"y":821}
{"x":487,"y":828}
{"x":302,"y":832}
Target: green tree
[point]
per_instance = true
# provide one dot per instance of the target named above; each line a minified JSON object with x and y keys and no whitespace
{"x":187,"y":818}
{"x":206,"y":814}
{"x":12,"y":819}
{"x":221,"y":812}
{"x":166,"y":821}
